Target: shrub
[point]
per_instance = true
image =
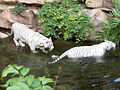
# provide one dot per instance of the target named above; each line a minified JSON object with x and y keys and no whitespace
{"x":61,"y":20}
{"x":19,"y":7}
{"x":22,"y":81}
{"x":112,"y":30}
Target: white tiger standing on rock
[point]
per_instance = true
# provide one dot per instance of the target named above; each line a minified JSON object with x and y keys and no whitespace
{"x":96,"y":51}
{"x":23,"y":35}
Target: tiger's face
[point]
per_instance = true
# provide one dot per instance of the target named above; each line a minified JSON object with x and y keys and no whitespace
{"x":110,"y":45}
{"x":46,"y":45}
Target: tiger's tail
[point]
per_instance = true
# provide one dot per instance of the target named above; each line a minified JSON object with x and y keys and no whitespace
{"x":59,"y":58}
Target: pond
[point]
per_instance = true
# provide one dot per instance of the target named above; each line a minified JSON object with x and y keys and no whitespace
{"x":85,"y":75}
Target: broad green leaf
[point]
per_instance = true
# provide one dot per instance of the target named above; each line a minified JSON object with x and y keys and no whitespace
{"x":24,"y":71}
{"x":9,"y":69}
{"x":46,"y":87}
{"x":36,"y":83}
{"x":29,"y":79}
{"x":38,"y":88}
{"x":13,"y":81}
{"x":45,"y":80}
{"x":14,"y":88}
{"x":22,"y":85}
{"x":17,"y":67}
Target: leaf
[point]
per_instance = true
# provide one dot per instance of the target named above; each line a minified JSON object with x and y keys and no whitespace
{"x":30,"y":79}
{"x":14,"y":88}
{"x":24,"y":71}
{"x":17,"y":67}
{"x":38,"y":88}
{"x":13,"y":81}
{"x":9,"y":69}
{"x":36,"y":83}
{"x":45,"y":80}
{"x":46,"y":87}
{"x":22,"y":85}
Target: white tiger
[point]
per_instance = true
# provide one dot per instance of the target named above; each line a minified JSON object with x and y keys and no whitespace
{"x":97,"y":51}
{"x":22,"y":34}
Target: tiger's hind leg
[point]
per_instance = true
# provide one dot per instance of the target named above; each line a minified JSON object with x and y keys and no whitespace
{"x":21,"y":43}
{"x":99,"y":60}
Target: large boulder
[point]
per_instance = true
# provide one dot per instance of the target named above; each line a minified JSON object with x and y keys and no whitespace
{"x":98,"y":17}
{"x":39,"y":2}
{"x":104,"y":4}
{"x":26,"y":17}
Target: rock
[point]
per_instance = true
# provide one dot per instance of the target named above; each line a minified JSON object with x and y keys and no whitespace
{"x":104,"y":4}
{"x":107,"y":4}
{"x":4,"y":23}
{"x":26,"y":17}
{"x":39,"y":2}
{"x":94,"y":3}
{"x":3,"y":35}
{"x":98,"y":17}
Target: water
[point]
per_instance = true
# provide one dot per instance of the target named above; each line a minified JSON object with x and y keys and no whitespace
{"x":85,"y":75}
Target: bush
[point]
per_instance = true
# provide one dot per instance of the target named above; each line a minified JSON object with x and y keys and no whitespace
{"x":22,"y":81}
{"x":61,"y":20}
{"x":112,"y":30}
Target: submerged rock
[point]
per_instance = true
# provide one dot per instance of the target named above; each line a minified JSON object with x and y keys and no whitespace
{"x":117,"y":80}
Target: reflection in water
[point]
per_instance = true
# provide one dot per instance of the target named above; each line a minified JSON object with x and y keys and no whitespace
{"x":74,"y":75}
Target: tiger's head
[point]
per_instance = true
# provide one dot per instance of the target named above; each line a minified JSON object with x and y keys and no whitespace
{"x":46,"y":45}
{"x":109,"y":45}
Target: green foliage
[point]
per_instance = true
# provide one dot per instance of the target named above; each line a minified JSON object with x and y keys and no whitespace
{"x":112,"y":30}
{"x":61,"y":20}
{"x":23,"y":81}
{"x":19,"y":7}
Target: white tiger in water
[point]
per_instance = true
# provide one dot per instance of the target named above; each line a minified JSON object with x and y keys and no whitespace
{"x":97,"y":51}
{"x":23,"y":35}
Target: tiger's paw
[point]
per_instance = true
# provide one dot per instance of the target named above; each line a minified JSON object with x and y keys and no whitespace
{"x":35,"y":51}
{"x":23,"y":45}
{"x":54,"y":56}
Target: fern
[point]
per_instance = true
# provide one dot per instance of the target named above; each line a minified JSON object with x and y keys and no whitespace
{"x":112,"y":30}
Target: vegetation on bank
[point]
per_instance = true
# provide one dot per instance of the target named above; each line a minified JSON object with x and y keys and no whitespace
{"x":20,"y":80}
{"x":112,"y":30}
{"x":61,"y":20}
